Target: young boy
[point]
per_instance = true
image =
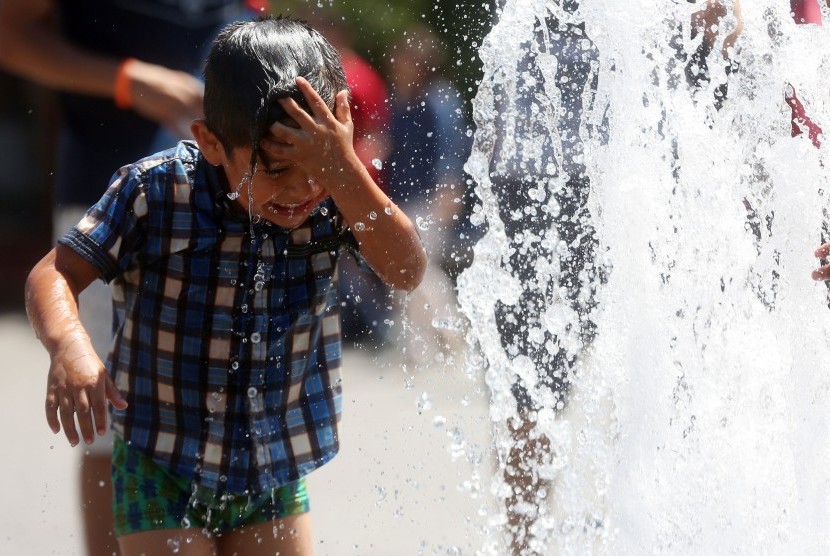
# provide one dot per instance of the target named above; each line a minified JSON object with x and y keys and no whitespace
{"x":224,"y":367}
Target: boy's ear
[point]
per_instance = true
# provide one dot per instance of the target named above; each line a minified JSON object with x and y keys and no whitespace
{"x":208,"y":142}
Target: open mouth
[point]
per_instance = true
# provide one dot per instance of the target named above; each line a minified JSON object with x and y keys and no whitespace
{"x":294,"y":209}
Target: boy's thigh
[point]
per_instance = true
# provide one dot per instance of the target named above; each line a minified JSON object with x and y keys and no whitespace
{"x":182,"y":542}
{"x":289,"y":536}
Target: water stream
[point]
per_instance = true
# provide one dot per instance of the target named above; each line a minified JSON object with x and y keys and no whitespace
{"x":696,"y":420}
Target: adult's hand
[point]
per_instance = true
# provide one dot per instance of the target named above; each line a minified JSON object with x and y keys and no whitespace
{"x":823,"y":272}
{"x":171,"y":98}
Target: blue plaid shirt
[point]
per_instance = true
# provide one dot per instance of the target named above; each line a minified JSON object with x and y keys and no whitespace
{"x":226,"y":343}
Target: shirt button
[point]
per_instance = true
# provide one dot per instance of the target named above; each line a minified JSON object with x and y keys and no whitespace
{"x":255,"y":338}
{"x":252,"y":392}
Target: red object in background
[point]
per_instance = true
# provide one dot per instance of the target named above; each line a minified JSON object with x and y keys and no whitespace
{"x":259,"y":6}
{"x":800,"y":119}
{"x":371,"y":113}
{"x":806,"y":11}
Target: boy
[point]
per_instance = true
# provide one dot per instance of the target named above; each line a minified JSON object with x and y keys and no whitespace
{"x":225,"y":359}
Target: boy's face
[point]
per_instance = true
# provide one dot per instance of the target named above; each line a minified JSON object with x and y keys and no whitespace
{"x":280,"y":191}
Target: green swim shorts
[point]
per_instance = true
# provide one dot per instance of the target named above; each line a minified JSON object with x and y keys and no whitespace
{"x":147,"y":496}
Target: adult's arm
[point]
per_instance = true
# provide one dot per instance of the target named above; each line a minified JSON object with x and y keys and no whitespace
{"x":708,"y":19}
{"x":31,"y":46}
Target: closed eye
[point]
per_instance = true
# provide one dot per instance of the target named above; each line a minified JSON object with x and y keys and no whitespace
{"x":273,"y":168}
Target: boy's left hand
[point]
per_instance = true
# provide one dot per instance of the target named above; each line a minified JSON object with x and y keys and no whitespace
{"x":322,"y":145}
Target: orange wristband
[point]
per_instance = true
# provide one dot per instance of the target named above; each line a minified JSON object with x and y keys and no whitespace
{"x":123,"y":94}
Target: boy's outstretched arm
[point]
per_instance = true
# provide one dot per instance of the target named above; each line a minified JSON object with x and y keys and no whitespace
{"x":322,"y":146}
{"x":78,"y":383}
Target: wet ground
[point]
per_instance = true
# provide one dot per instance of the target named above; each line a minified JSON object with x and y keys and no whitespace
{"x":401,"y":484}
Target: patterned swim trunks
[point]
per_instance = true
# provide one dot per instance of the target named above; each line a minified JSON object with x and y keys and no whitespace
{"x":147,"y":497}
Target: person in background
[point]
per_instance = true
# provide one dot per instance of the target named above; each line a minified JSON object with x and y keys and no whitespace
{"x":126,"y":77}
{"x":426,"y":177}
{"x":804,"y":12}
{"x":528,"y":177}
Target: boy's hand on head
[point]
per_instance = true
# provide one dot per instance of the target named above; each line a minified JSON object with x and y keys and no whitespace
{"x":322,"y":145}
{"x":78,"y":384}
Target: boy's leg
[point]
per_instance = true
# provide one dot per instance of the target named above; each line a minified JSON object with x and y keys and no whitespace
{"x":96,"y":501}
{"x":289,"y":536}
{"x":182,"y":542}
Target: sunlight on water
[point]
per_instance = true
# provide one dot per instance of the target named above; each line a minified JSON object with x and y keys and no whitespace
{"x":696,"y":420}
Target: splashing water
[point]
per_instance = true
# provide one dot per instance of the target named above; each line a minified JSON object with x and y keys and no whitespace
{"x":247,"y":182}
{"x":695,"y":420}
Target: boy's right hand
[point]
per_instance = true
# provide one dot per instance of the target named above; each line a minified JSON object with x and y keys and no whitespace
{"x":78,"y":384}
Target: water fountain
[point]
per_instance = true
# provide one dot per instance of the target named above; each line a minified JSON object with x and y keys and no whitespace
{"x":695,"y":421}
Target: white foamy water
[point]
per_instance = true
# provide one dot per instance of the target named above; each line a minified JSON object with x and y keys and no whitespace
{"x":697,"y":421}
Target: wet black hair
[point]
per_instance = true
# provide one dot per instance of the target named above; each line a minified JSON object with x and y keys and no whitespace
{"x":251,"y":64}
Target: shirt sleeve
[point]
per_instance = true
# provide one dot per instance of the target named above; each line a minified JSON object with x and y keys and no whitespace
{"x":109,"y":234}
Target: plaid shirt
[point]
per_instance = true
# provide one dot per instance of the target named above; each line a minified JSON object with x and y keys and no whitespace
{"x":226,"y":344}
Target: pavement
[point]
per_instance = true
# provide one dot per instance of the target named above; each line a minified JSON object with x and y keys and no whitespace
{"x":414,"y":450}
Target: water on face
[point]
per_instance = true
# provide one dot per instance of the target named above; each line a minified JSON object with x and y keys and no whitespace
{"x":695,"y":420}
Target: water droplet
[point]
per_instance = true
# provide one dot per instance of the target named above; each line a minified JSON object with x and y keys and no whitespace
{"x":258,"y":286}
{"x":423,"y":223}
{"x":324,"y":211}
{"x":424,"y":403}
{"x":174,"y":545}
{"x":439,"y":422}
{"x":373,"y":215}
{"x":477,"y":218}
{"x":252,"y":392}
{"x":448,"y":323}
{"x":388,"y":210}
{"x":377,"y":163}
{"x":101,"y":484}
{"x":359,"y":226}
{"x":235,"y":365}
{"x":256,"y":338}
